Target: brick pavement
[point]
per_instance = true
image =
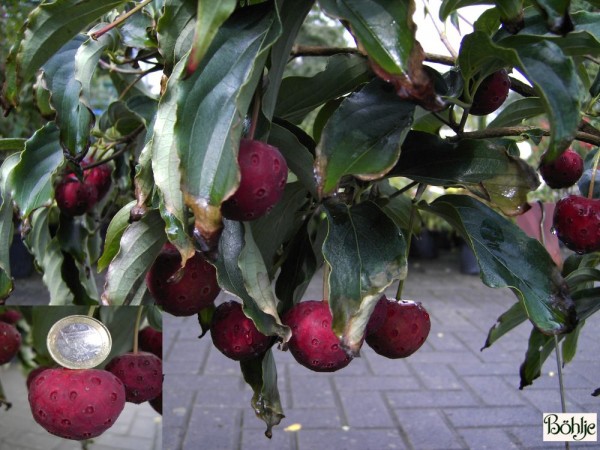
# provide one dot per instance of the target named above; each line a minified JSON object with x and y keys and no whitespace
{"x":448,"y":395}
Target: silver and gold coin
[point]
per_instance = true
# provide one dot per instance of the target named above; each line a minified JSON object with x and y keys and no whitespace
{"x":79,"y":342}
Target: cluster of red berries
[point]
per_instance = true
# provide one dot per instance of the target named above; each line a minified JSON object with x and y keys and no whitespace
{"x":76,"y":197}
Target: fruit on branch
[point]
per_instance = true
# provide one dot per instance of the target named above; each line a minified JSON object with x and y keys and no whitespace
{"x":76,"y":404}
{"x":99,"y":177}
{"x":491,"y":93}
{"x":404,"y":330}
{"x":10,"y":342}
{"x":141,"y":374}
{"x":150,"y":340}
{"x":182,"y":292}
{"x":313,"y":343}
{"x":235,"y":335}
{"x":10,"y":316}
{"x":378,"y":316}
{"x":576,"y":223}
{"x":564,"y":171}
{"x":75,"y":197}
{"x":33,"y":374}
{"x":156,"y":404}
{"x":263,"y":175}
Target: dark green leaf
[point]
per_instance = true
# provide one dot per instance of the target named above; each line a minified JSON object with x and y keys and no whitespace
{"x":513,"y":317}
{"x":154,"y":317}
{"x":363,"y":136}
{"x":205,"y":319}
{"x":261,"y":374}
{"x":116,"y":228}
{"x":540,"y":347}
{"x":12,"y":144}
{"x":569,"y":344}
{"x":30,"y":181}
{"x":518,"y":111}
{"x":175,"y":30}
{"x":557,"y":15}
{"x":507,"y":257}
{"x":43,"y":317}
{"x":120,"y":321}
{"x":207,"y":140}
{"x":6,"y":227}
{"x":449,"y":6}
{"x":140,"y":244}
{"x":366,"y":253}
{"x":300,"y":95}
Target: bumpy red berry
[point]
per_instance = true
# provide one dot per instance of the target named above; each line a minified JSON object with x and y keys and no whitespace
{"x":74,"y":197}
{"x":491,"y":93}
{"x":141,"y":374}
{"x":235,"y":335}
{"x":377,"y":316}
{"x":76,"y":404}
{"x":564,"y":171}
{"x":156,"y":404}
{"x":33,"y":374}
{"x":150,"y":340}
{"x":185,"y":292}
{"x":10,"y":316}
{"x":313,"y":343}
{"x":576,"y":223}
{"x":99,"y":177}
{"x":405,"y":329}
{"x":263,"y":175}
{"x":10,"y":342}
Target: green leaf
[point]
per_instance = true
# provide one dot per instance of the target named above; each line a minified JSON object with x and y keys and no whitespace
{"x":510,"y":319}
{"x":366,"y":253}
{"x":518,"y":111}
{"x":175,"y":30}
{"x":48,"y":257}
{"x":209,"y":18}
{"x":557,"y":15}
{"x":43,"y":318}
{"x":363,"y":136}
{"x":569,"y":344}
{"x":449,"y":6}
{"x":116,"y":228}
{"x":30,"y":182}
{"x":48,"y":28}
{"x":6,"y":227}
{"x":539,"y":348}
{"x":507,"y":257}
{"x":241,"y":271}
{"x":261,"y":374}
{"x":300,"y":95}
{"x":12,"y":144}
{"x":140,"y":244}
{"x":154,"y":317}
{"x":208,"y":140}
{"x":120,"y":321}
{"x":479,"y":165}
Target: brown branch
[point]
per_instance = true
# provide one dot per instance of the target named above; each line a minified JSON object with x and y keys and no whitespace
{"x":517,"y":131}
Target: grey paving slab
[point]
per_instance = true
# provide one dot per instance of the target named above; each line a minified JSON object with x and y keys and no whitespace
{"x":448,"y":395}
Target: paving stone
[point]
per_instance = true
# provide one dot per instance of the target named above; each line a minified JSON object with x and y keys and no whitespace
{"x":376,"y":383}
{"x":428,"y":429}
{"x":431,"y":399}
{"x":312,"y":392}
{"x":490,"y":416}
{"x":493,"y":390}
{"x":436,"y":376}
{"x":351,"y":439}
{"x":365,"y":409}
{"x":487,"y":439}
{"x":255,"y":439}
{"x":213,"y":429}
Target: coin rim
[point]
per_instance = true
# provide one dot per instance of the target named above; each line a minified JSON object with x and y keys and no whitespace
{"x":58,"y":357}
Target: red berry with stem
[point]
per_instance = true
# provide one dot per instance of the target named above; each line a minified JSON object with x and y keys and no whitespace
{"x":491,"y":93}
{"x":75,"y":197}
{"x":378,"y":316}
{"x":263,"y":175}
{"x":76,"y":404}
{"x":576,"y":223}
{"x":313,"y":343}
{"x":99,"y":177}
{"x":235,"y":335}
{"x":10,"y":342}
{"x":403,"y":332}
{"x":150,"y":340}
{"x":564,"y":171}
{"x":10,"y":316}
{"x":182,"y":292}
{"x":141,"y":374}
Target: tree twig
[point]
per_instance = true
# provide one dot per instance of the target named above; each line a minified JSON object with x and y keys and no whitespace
{"x":119,"y":20}
{"x":519,"y":130}
{"x":441,"y":33}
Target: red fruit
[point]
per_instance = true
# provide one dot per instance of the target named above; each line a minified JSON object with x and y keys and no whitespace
{"x":564,"y":171}
{"x":76,"y":404}
{"x":10,"y":316}
{"x":156,"y":404}
{"x":10,"y":342}
{"x":141,"y":374}
{"x":73,"y":197}
{"x":377,"y":316}
{"x":99,"y":177}
{"x":577,"y":223}
{"x":405,"y":329}
{"x":491,"y":93}
{"x":263,"y":175}
{"x":33,"y":374}
{"x":150,"y":340}
{"x":235,"y":335}
{"x":189,"y":291}
{"x":313,"y":343}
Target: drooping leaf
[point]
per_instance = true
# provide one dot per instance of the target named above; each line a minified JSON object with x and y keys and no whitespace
{"x":140,"y":244}
{"x":12,"y":144}
{"x":300,"y":95}
{"x":6,"y":227}
{"x":209,"y":18}
{"x":30,"y":182}
{"x":507,"y":257}
{"x":175,"y":30}
{"x":241,"y":271}
{"x":366,"y":253}
{"x":508,"y":320}
{"x":557,"y":15}
{"x":116,"y":228}
{"x":48,"y":28}
{"x":539,"y":348}
{"x":479,"y":165}
{"x":386,"y":32}
{"x":261,"y":374}
{"x":363,"y":136}
{"x":208,"y":140}
{"x":205,"y":319}
{"x":120,"y":321}
{"x":154,"y":317}
{"x":569,"y":344}
{"x":518,"y":111}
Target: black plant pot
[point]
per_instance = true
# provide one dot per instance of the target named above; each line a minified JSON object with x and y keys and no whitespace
{"x":468,"y":261}
{"x":21,"y":261}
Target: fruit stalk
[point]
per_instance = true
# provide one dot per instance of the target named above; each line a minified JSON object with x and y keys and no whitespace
{"x":590,"y":193}
{"x":119,"y":20}
{"x":561,"y":385}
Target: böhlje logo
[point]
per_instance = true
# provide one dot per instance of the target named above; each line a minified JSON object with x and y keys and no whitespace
{"x":570,"y":427}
